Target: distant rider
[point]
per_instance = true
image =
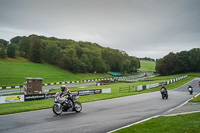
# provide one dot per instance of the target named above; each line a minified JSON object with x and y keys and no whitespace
{"x":189,"y":87}
{"x":163,"y":89}
{"x":64,"y":91}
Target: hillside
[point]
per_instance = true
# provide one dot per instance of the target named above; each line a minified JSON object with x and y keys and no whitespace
{"x":147,"y":65}
{"x":75,"y":56}
{"x":13,"y":72}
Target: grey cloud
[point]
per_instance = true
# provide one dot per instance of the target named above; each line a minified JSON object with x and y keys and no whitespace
{"x":142,"y":28}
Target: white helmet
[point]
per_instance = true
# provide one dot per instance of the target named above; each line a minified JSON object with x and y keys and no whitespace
{"x":63,"y":87}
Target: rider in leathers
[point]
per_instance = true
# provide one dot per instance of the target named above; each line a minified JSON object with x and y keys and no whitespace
{"x":163,"y":89}
{"x":64,"y":91}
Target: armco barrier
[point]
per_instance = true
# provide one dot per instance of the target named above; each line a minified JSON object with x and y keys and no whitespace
{"x":139,"y":88}
{"x":144,"y":87}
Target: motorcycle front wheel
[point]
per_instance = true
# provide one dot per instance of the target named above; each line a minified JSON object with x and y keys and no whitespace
{"x":57,"y":109}
{"x":77,"y":107}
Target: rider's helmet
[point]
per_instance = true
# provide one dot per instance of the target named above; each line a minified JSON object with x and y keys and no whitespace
{"x":63,"y":88}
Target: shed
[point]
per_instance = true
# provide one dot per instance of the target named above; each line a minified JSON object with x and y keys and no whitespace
{"x":33,"y":85}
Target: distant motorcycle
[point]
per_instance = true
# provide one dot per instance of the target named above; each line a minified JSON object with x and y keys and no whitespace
{"x":67,"y":103}
{"x":190,"y":89}
{"x":199,"y":83}
{"x":164,"y":93}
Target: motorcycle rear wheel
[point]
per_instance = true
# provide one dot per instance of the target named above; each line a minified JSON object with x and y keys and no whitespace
{"x":57,"y":109}
{"x":77,"y":107}
{"x":166,"y":96}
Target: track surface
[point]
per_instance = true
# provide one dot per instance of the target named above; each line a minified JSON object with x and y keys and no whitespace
{"x":97,"y":117}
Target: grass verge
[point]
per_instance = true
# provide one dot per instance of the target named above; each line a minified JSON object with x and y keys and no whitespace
{"x":195,"y":99}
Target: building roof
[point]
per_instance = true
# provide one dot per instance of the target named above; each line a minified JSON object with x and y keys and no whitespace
{"x":115,"y":74}
{"x":34,"y":78}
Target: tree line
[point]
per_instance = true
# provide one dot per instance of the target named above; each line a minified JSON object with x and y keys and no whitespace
{"x":147,"y":59}
{"x":181,"y":62}
{"x":78,"y":57}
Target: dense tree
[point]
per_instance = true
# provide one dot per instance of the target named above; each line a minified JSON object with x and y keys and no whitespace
{"x":126,"y":65}
{"x":168,"y":66}
{"x":75,"y":56}
{"x":4,"y":42}
{"x":159,"y":66}
{"x":165,"y":66}
{"x":182,"y":62}
{"x":11,"y":51}
{"x":24,"y":47}
{"x":113,"y":58}
{"x":147,"y":59}
{"x":16,"y":39}
{"x":71,"y":60}
{"x":51,"y":54}
{"x":135,"y":64}
{"x":86,"y":64}
{"x":194,"y":58}
{"x":35,"y":50}
{"x":2,"y":51}
{"x":99,"y":65}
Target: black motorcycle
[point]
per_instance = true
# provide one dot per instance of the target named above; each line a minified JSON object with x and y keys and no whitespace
{"x":66,"y":103}
{"x":164,"y":93}
{"x":190,"y":89}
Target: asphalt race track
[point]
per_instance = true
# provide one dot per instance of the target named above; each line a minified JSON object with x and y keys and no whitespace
{"x":97,"y":117}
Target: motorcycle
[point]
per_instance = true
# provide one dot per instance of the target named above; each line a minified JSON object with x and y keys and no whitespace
{"x":67,"y":103}
{"x":190,"y":89}
{"x":164,"y":93}
{"x":199,"y":83}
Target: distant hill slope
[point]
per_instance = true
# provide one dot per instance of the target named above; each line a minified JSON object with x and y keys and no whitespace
{"x":147,"y":65}
{"x":13,"y":72}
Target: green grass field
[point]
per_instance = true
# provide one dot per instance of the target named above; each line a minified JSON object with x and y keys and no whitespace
{"x":14,"y":73}
{"x":147,"y":65}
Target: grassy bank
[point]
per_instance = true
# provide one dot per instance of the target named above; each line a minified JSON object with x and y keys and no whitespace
{"x":147,"y":65}
{"x":9,"y":108}
{"x":14,"y":73}
{"x":188,"y":123}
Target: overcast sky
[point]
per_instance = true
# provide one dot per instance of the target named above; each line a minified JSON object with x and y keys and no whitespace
{"x":141,"y":28}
